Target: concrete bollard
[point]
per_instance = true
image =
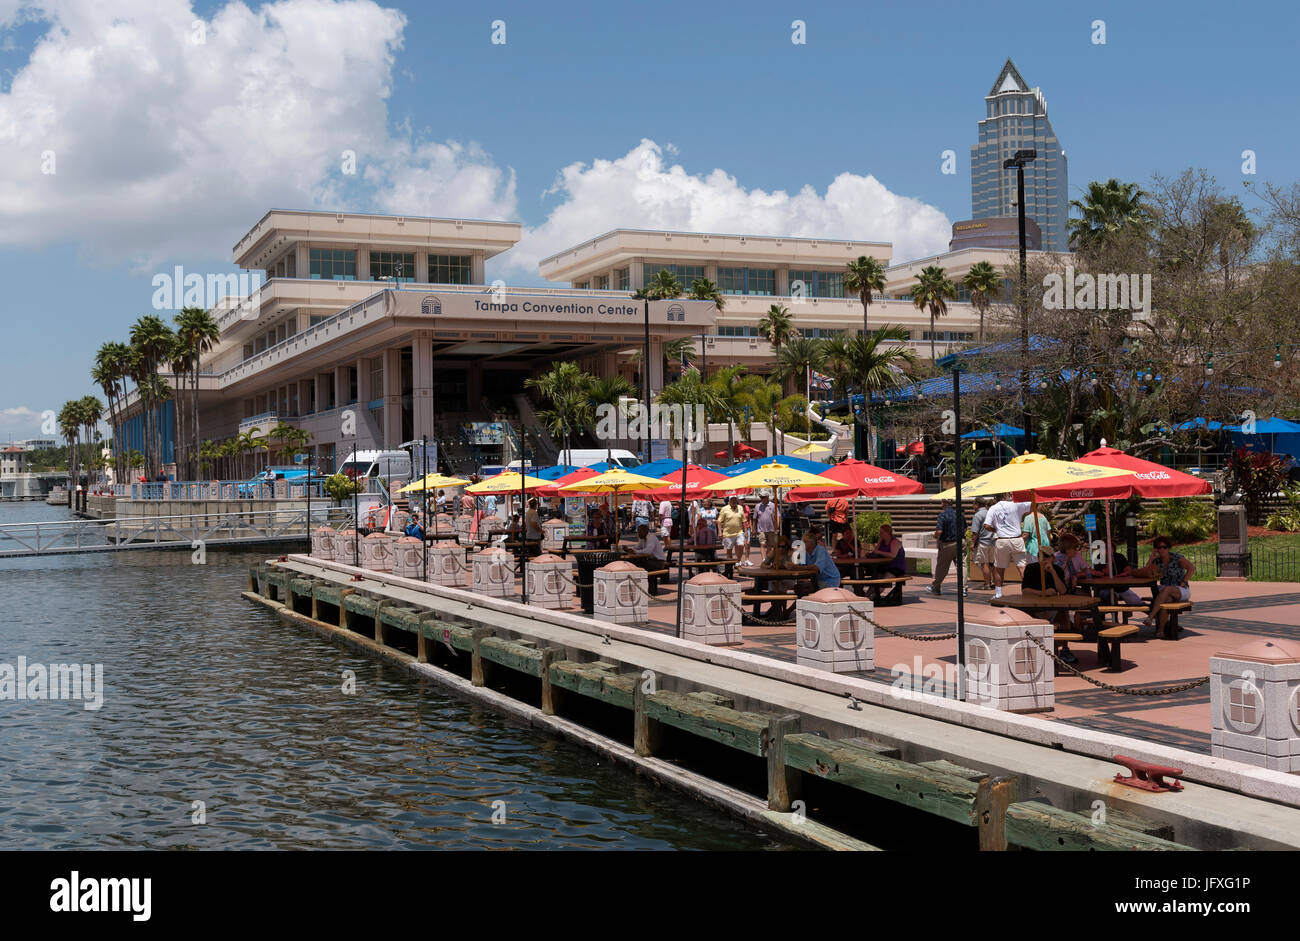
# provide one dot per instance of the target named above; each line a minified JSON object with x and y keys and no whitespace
{"x":213,"y":490}
{"x":447,"y":565}
{"x":1004,"y":668}
{"x":494,"y":573}
{"x":830,"y":636}
{"x":463,"y":525}
{"x":710,"y":614}
{"x":1255,"y":705}
{"x":550,"y":584}
{"x":322,"y":543}
{"x":377,"y":553}
{"x":553,"y":534}
{"x":408,"y":558}
{"x":621,"y":593}
{"x":281,"y":489}
{"x":345,"y":546}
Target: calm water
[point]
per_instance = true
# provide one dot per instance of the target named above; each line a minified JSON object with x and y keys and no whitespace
{"x":209,"y":698}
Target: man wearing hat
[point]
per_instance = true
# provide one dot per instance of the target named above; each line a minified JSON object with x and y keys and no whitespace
{"x":946,"y":536}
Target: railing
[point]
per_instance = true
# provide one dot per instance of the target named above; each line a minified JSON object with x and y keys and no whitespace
{"x":217,"y":490}
{"x":1266,"y":563}
{"x":190,"y":531}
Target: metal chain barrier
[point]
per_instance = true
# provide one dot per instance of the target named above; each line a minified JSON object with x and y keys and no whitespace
{"x":1164,"y":691}
{"x":882,"y":627}
{"x":768,"y":622}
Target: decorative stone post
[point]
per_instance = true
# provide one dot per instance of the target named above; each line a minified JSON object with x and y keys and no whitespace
{"x":345,"y":546}
{"x":831,"y":636}
{"x":214,"y":490}
{"x":463,"y":524}
{"x":710,"y":610}
{"x":550,"y":582}
{"x":1255,"y":705}
{"x":621,"y":593}
{"x":408,"y":558}
{"x":494,"y":573}
{"x":281,"y":489}
{"x":553,"y":533}
{"x":322,"y":543}
{"x":1004,"y":668}
{"x":377,"y":553}
{"x":447,"y":565}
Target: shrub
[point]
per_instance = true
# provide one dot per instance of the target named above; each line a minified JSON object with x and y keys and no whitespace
{"x":1181,"y":519}
{"x":867,"y":527}
{"x":1256,"y":475}
{"x":339,"y":487}
{"x":1287,"y":520}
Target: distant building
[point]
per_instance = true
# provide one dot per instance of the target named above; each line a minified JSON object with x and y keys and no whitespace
{"x":1016,"y":119}
{"x":13,"y":460}
{"x":38,"y":444}
{"x":1000,"y":232}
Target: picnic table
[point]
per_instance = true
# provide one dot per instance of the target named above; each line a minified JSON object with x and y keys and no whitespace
{"x":856,"y":563}
{"x":727,"y":565}
{"x":585,"y":540}
{"x":1036,"y":604}
{"x":763,"y":578}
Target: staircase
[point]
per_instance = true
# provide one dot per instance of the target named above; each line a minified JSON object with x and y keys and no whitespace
{"x":544,"y":449}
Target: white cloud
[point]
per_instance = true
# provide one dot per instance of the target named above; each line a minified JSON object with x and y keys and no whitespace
{"x":640,"y":190}
{"x":20,"y":423}
{"x":160,"y":141}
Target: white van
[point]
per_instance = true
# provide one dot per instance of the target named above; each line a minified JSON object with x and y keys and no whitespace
{"x":579,"y":457}
{"x":388,"y":465}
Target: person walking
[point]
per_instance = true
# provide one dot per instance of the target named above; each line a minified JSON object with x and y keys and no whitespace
{"x":946,"y":536}
{"x":1003,"y":522}
{"x":765,"y":522}
{"x":731,"y":523}
{"x":1037,"y":531}
{"x":982,"y":541}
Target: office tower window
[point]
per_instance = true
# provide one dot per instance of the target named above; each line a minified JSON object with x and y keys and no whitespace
{"x":449,"y":269}
{"x":333,"y":264}
{"x":386,"y":265}
{"x":623,"y":279}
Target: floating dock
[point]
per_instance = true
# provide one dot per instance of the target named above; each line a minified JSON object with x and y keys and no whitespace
{"x":827,"y":759}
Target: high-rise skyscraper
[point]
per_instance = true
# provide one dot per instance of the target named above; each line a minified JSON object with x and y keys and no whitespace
{"x":1016,"y":119}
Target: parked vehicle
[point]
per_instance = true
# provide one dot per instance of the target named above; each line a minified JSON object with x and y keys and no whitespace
{"x":387,"y":465}
{"x":264,"y":483}
{"x":579,"y":457}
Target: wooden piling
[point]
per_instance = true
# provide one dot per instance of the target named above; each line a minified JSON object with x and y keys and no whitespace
{"x":476,"y":671}
{"x":549,"y":655}
{"x":646,"y":732}
{"x":783,"y":782}
{"x":994,"y":796}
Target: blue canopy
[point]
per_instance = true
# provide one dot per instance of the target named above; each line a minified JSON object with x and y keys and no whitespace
{"x":999,"y":430}
{"x":798,"y":463}
{"x":665,"y":465}
{"x":553,"y":473}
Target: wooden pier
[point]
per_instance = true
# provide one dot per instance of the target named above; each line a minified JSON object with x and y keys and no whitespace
{"x":763,"y":741}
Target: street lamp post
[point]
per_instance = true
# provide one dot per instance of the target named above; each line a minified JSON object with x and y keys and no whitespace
{"x":953,"y":362}
{"x":645,"y":383}
{"x":1018,"y":162}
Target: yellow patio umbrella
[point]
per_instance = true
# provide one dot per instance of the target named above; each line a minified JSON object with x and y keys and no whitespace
{"x":779,"y":476}
{"x":615,"y":481}
{"x":432,"y":482}
{"x":809,"y":448}
{"x":506,"y":482}
{"x":1029,"y":472}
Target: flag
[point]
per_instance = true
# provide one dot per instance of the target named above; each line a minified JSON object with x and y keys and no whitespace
{"x":819,"y":381}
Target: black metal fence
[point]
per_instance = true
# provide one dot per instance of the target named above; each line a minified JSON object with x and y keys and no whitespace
{"x":1263,"y":564}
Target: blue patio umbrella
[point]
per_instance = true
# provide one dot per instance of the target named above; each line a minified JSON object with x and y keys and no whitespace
{"x":798,"y":463}
{"x":999,"y":430}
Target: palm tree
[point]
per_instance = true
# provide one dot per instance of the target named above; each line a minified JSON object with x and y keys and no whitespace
{"x":609,"y":391}
{"x":662,"y":286}
{"x":69,"y":421}
{"x":877,"y":363}
{"x":688,"y":391}
{"x":152,"y":341}
{"x":702,"y":289}
{"x":110,"y":372}
{"x":863,"y":277}
{"x":798,"y":359}
{"x":930,"y":293}
{"x":765,"y":399}
{"x":728,"y":384}
{"x":1106,"y":210}
{"x":90,"y":411}
{"x":198,"y":332}
{"x":570,"y":411}
{"x":559,"y":386}
{"x":777,"y":327}
{"x":983,"y":282}
{"x":178,"y":361}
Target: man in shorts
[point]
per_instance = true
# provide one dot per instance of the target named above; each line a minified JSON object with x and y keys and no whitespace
{"x":983,"y":541}
{"x":1003,"y":522}
{"x":731,"y":523}
{"x":765,"y":522}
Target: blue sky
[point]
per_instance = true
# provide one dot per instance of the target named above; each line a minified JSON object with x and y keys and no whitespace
{"x":168,"y":149}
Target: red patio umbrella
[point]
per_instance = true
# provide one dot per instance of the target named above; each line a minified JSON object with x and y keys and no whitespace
{"x":697,"y":478}
{"x":553,"y":488}
{"x":740,"y":450}
{"x":1147,"y":479}
{"x":870,"y":481}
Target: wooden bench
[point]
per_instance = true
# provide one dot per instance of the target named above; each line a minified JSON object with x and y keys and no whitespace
{"x":655,"y":575}
{"x":895,"y":596}
{"x":1124,"y":610}
{"x":778,"y":606}
{"x":1174,"y":608}
{"x":1059,"y":640}
{"x":1108,"y":642}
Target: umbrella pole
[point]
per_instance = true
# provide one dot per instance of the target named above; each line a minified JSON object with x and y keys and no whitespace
{"x":681,"y":540}
{"x":1110,"y":551}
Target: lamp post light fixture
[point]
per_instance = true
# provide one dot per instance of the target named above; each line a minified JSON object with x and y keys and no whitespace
{"x":1017,"y":162}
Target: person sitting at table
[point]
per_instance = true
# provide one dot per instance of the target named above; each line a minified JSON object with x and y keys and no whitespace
{"x":533,"y":522}
{"x":1071,"y":561}
{"x":1046,"y":579}
{"x":1173,"y":570}
{"x":413,"y":527}
{"x":648,"y":545}
{"x":705,"y":538}
{"x":890,"y":548}
{"x":828,"y":576}
{"x":1122,"y":570}
{"x":846,"y":547}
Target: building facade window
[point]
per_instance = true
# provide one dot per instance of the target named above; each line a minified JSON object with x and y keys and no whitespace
{"x":747,"y":281}
{"x":449,"y":269}
{"x":395,"y":265}
{"x":581,"y":285}
{"x":623,"y":279}
{"x":686,"y":274}
{"x":333,"y":264}
{"x":818,"y":283}
{"x":602,"y":282}
{"x":737,"y":331}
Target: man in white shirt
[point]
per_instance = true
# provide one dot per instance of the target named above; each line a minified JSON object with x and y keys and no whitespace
{"x":1003,"y":522}
{"x":648,"y":543}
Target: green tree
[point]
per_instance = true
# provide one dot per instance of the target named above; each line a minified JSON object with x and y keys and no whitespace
{"x":777,"y":327}
{"x":865,"y":277}
{"x":798,"y":359}
{"x":1106,"y":210}
{"x":688,"y":391}
{"x":609,"y":391}
{"x":197,"y":332}
{"x":728,"y":384}
{"x":932,"y":291}
{"x":702,"y":289}
{"x":879,"y":362}
{"x":983,"y":282}
{"x":564,"y":388}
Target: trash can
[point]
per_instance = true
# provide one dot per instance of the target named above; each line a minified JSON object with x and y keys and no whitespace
{"x":587,"y":564}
